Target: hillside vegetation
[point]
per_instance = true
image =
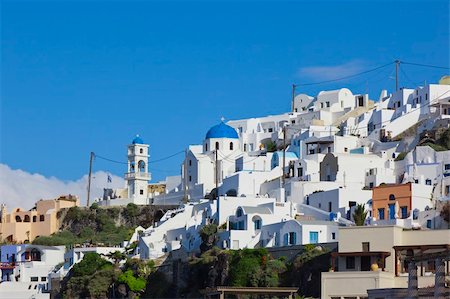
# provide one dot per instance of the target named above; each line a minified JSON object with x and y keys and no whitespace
{"x":108,"y":226}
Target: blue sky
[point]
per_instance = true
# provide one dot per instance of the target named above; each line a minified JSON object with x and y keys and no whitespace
{"x":87,"y":76}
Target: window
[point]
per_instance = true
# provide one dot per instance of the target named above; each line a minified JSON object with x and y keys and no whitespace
{"x":381,"y":214}
{"x":43,"y":278}
{"x":41,"y":218}
{"x":231,"y":146}
{"x":345,"y":149}
{"x":239,"y":212}
{"x":293,"y":122}
{"x":328,"y":104}
{"x":300,"y":172}
{"x":190,"y":178}
{"x":34,"y":218}
{"x":350,"y":262}
{"x":333,"y":236}
{"x":321,"y":105}
{"x":428,"y":182}
{"x":141,"y":151}
{"x":206,"y":147}
{"x":392,"y":211}
{"x":330,"y":205}
{"x":416,"y":181}
{"x":141,"y":192}
{"x":270,"y":130}
{"x":370,"y":185}
{"x":342,"y":104}
{"x":292,"y":238}
{"x":190,"y":162}
{"x":391,"y":197}
{"x":217,"y":145}
{"x":245,"y":147}
{"x":428,"y":223}
{"x":257,"y":224}
{"x":404,"y":211}
{"x":447,"y":166}
{"x":365,"y":246}
{"x":360,"y":101}
{"x":34,"y":278}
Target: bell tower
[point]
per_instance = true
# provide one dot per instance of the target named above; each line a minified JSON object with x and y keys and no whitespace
{"x":137,"y":176}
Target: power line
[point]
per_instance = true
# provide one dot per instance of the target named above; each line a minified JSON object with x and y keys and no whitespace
{"x":109,"y":160}
{"x":346,"y":77}
{"x":165,"y":158}
{"x":426,"y":65}
{"x":154,"y":161}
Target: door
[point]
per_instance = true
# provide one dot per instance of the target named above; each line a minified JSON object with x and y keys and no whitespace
{"x":392,"y":211}
{"x":365,"y":263}
{"x":313,"y":237}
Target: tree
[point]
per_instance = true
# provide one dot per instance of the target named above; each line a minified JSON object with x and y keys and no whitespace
{"x":116,"y":256}
{"x":208,"y":233}
{"x":445,"y":212}
{"x":135,"y":284}
{"x":360,"y":215}
{"x":271,"y":147}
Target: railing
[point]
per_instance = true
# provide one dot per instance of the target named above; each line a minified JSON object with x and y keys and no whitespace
{"x":140,"y":175}
{"x":6,"y":266}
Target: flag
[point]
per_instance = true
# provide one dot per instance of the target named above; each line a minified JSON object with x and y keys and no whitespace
{"x":109,"y":179}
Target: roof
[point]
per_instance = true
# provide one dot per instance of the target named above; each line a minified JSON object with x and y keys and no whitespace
{"x":137,"y":140}
{"x":222,"y":130}
{"x":288,"y":154}
{"x":256,"y":210}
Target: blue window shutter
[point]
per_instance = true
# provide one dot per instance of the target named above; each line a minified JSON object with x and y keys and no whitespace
{"x":294,"y":241}
{"x":286,"y":241}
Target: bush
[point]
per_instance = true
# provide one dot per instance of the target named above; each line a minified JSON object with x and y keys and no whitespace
{"x":135,"y":284}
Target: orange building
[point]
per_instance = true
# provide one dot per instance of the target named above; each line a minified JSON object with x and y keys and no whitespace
{"x":24,"y":226}
{"x":392,"y":201}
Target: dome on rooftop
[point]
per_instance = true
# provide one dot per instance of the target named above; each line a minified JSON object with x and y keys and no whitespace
{"x":222,"y":131}
{"x":137,"y":140}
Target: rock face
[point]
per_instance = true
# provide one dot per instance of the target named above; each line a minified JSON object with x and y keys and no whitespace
{"x":77,"y":219}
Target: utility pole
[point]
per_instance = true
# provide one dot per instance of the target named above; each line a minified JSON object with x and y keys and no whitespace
{"x":185,"y":176}
{"x":397,"y":65}
{"x":91,"y":159}
{"x":284,"y":156}
{"x":293,"y":96}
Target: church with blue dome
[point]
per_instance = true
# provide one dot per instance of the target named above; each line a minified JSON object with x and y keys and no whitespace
{"x":222,"y":130}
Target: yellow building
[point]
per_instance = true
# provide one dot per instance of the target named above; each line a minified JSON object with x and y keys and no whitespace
{"x":24,"y":226}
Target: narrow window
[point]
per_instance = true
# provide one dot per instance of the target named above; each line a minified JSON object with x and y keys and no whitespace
{"x":141,"y":151}
{"x":231,"y":146}
{"x":41,"y":218}
{"x":206,"y":147}
{"x":190,"y":178}
{"x":217,"y":145}
{"x":141,"y":192}
{"x":381,"y":214}
{"x":328,"y":104}
{"x":428,"y":182}
{"x":333,"y":236}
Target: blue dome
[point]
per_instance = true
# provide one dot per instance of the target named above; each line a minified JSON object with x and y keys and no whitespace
{"x":138,"y":140}
{"x":222,"y":131}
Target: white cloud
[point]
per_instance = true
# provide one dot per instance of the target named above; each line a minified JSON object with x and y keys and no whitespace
{"x":19,"y":188}
{"x":321,"y":72}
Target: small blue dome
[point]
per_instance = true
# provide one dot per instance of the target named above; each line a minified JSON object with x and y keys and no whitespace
{"x":138,"y":140}
{"x":222,"y":131}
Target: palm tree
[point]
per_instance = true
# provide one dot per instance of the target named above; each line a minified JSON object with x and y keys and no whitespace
{"x":360,"y":215}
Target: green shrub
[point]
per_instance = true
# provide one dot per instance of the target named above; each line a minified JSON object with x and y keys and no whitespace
{"x":135,"y":284}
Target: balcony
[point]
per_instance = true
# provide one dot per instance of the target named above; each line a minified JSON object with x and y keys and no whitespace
{"x":7,"y":266}
{"x":137,"y":175}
